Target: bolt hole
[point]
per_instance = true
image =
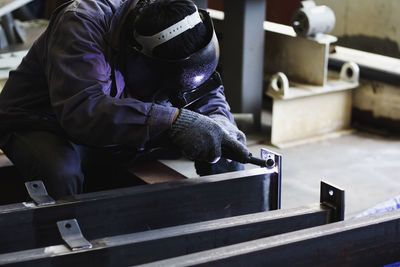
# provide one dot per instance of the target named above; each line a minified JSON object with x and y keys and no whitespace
{"x":330,"y":192}
{"x":68,"y":225}
{"x":279,"y":84}
{"x":349,"y":73}
{"x":35,"y":185}
{"x":270,"y":163}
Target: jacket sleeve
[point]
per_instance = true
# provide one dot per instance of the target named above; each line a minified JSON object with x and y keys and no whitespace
{"x":213,"y":104}
{"x":79,"y":85}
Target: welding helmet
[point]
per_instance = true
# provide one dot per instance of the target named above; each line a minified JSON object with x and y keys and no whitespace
{"x":185,"y":79}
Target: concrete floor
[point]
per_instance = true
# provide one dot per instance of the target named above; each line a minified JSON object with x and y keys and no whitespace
{"x":365,"y":165}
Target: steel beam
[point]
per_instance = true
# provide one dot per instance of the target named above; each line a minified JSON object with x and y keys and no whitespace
{"x":153,"y":245}
{"x":243,"y":54}
{"x":370,"y":241}
{"x":129,"y":210}
{"x":148,"y":246}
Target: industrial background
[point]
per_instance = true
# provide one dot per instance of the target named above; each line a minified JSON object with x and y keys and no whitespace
{"x":324,"y":107}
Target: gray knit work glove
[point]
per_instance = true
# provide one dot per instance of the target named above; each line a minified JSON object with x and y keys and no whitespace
{"x":202,"y":138}
{"x":232,"y":129}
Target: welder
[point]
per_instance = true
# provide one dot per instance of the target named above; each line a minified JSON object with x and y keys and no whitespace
{"x":111,"y":83}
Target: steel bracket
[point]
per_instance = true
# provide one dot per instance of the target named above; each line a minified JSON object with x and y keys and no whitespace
{"x":37,"y":191}
{"x":274,"y":161}
{"x":333,"y":198}
{"x":72,"y":235}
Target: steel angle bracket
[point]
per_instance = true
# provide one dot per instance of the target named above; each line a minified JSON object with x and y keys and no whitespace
{"x":333,"y":198}
{"x":275,"y":164}
{"x":37,"y":191}
{"x":72,"y":235}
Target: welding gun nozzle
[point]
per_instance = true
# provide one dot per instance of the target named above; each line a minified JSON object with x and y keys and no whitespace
{"x":269,"y":163}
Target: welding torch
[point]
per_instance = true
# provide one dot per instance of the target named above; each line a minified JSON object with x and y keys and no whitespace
{"x":266,"y":163}
{"x":269,"y":163}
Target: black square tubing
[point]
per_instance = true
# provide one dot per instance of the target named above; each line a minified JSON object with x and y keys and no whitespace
{"x":149,"y":246}
{"x":134,"y":209}
{"x":153,"y":245}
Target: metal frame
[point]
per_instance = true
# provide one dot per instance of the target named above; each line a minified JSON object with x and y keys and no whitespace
{"x":148,"y":246}
{"x":370,"y":241}
{"x":129,"y":210}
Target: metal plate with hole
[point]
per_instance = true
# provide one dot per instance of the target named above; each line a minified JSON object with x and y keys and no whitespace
{"x":334,"y":198}
{"x":37,"y":191}
{"x":72,"y":235}
{"x":274,"y":161}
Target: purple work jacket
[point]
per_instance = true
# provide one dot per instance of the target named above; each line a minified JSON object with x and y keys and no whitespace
{"x":65,"y":81}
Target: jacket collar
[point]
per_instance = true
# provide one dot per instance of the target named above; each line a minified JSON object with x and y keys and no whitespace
{"x":113,"y":36}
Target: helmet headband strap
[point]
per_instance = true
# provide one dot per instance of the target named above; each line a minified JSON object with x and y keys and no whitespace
{"x":148,"y":43}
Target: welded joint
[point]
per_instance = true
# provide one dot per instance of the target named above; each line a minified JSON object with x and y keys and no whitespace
{"x":38,"y":193}
{"x":72,"y":235}
{"x":333,"y":198}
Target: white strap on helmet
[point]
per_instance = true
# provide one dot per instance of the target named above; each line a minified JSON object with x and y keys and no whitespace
{"x":148,"y":43}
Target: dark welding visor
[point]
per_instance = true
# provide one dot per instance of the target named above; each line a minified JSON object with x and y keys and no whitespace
{"x":179,"y":75}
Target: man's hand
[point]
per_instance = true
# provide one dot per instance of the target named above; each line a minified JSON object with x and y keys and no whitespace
{"x":202,"y":138}
{"x":233,"y":131}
